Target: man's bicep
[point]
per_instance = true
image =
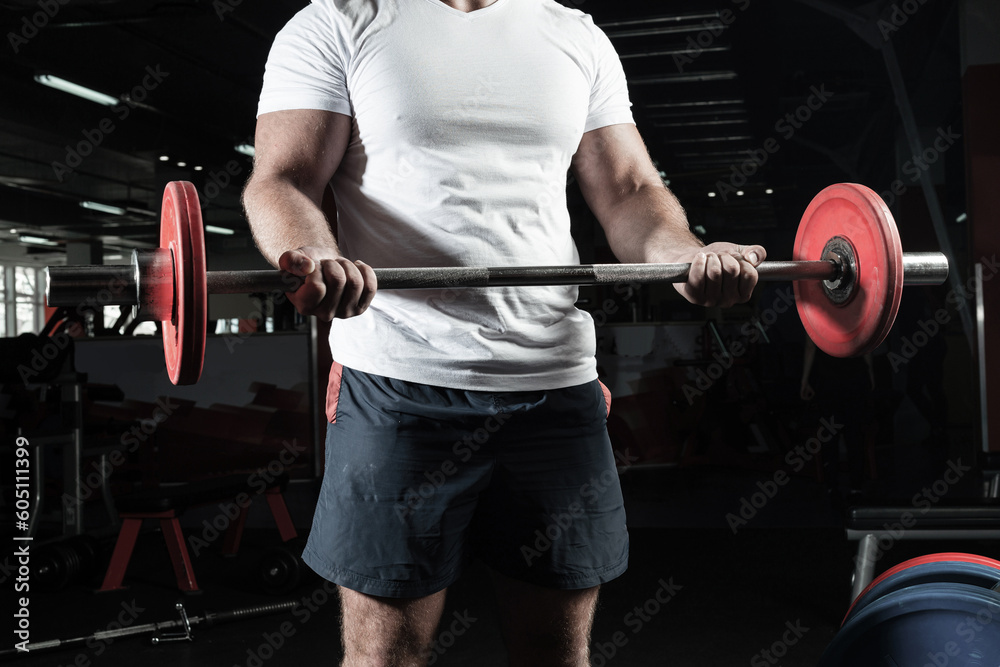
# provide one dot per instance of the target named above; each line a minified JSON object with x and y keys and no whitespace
{"x":610,"y":164}
{"x":304,"y":146}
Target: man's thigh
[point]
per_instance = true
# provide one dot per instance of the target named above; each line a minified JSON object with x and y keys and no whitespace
{"x":376,"y":627}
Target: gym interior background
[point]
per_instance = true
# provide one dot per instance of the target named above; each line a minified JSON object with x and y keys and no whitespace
{"x":747,"y":503}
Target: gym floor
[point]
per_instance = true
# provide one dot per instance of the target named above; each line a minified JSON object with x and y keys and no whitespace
{"x":773,"y":593}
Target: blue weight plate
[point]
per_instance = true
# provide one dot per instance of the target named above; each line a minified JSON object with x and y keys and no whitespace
{"x":938,"y":624}
{"x":953,"y":572}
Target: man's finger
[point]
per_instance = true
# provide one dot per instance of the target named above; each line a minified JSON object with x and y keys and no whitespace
{"x":713,"y":279}
{"x":370,"y":287}
{"x":696,"y":278}
{"x":747,"y":280}
{"x":297,"y":263}
{"x":335,"y":280}
{"x":354,"y":285}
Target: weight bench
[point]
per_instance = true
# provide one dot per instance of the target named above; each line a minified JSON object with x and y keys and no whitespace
{"x":167,"y":504}
{"x":972,"y":520}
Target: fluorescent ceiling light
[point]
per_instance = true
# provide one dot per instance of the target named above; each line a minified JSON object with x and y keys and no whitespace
{"x":702,"y":123}
{"x":698,"y":140}
{"x":769,"y":191}
{"x":164,"y":158}
{"x":694,"y":103}
{"x":182,"y":164}
{"x":75,"y":89}
{"x":219,"y":230}
{"x":198,"y":167}
{"x":671,"y":52}
{"x":711,"y":194}
{"x":695,"y":77}
{"x":103,"y":208}
{"x":672,"y":18}
{"x":246,"y":149}
{"x":36,"y":240}
{"x":962,"y":218}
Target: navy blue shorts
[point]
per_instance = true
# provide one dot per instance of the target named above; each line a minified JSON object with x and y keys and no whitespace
{"x":420,"y":479}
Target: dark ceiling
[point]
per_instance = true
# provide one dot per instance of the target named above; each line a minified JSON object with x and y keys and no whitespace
{"x":711,"y":80}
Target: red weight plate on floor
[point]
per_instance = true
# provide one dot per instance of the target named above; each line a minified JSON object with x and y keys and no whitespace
{"x":181,"y":233}
{"x":857,"y":214}
{"x":951,"y":557}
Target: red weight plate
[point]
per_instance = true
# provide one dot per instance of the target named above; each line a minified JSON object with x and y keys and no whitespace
{"x":952,"y":557}
{"x":181,"y":232}
{"x":858,"y":214}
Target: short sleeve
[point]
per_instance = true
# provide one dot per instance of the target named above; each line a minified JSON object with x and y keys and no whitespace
{"x":307,"y":65}
{"x":609,"y":101}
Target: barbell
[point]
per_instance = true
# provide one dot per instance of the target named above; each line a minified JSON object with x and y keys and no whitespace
{"x":848,"y":265}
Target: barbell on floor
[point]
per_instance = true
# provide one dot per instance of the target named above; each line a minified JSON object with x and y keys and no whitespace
{"x":848,"y":265}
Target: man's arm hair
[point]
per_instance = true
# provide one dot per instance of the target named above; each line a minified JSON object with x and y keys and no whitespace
{"x":297,"y":153}
{"x":644,"y":222}
{"x":642,"y":219}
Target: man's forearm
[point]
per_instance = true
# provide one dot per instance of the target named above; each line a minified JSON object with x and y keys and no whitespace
{"x":649,"y":225}
{"x":283,"y":217}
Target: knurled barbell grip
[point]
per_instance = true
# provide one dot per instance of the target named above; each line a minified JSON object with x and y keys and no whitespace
{"x":117,"y":284}
{"x":918,"y":268}
{"x":239,"y":282}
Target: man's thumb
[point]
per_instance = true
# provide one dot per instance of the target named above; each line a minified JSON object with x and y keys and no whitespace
{"x":297,"y":263}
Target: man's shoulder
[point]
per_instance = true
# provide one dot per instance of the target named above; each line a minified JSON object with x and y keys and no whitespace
{"x":566,"y":16}
{"x":565,"y":11}
{"x":356,"y":15}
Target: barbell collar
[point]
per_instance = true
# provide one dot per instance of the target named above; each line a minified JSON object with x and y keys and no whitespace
{"x":924,"y":268}
{"x":98,"y":285}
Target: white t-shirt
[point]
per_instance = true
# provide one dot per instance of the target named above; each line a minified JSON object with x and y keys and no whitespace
{"x":464,"y":126}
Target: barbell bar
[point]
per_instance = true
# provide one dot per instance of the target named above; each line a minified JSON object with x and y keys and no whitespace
{"x":71,"y":285}
{"x":848,"y":267}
